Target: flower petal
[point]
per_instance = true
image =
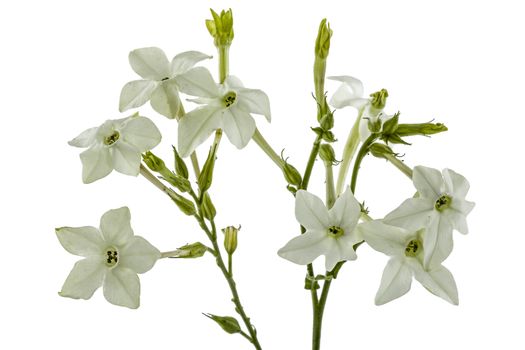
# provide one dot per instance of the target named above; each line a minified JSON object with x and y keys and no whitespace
{"x":115,"y":226}
{"x":340,"y":250}
{"x":457,"y":214}
{"x":196,"y":126}
{"x":135,"y":93}
{"x":141,"y":133}
{"x":122,"y":287}
{"x":387,"y":239}
{"x":238,"y":125}
{"x":395,"y":282}
{"x":311,"y":212}
{"x":85,"y":139}
{"x":438,"y":243}
{"x":150,"y":63}
{"x":84,"y":241}
{"x":84,"y":279}
{"x":165,"y":99}
{"x":456,"y":184}
{"x":254,"y":101}
{"x":438,"y":281}
{"x":138,"y":255}
{"x":96,"y":163}
{"x":198,"y":82}
{"x":306,"y":248}
{"x":186,"y":60}
{"x":349,"y":93}
{"x":346,"y":211}
{"x":126,"y":158}
{"x":233,"y":82}
{"x":412,"y":214}
{"x":429,"y":182}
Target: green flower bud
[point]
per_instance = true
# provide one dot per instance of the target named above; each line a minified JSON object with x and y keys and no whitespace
{"x":230,"y":238}
{"x":180,"y":166}
{"x":291,"y":174}
{"x":420,"y":129}
{"x":221,"y":27}
{"x":327,"y":120}
{"x":322,"y":43}
{"x":184,"y":204}
{"x":390,"y":126}
{"x":379,"y":99}
{"x":153,"y":162}
{"x":190,"y":251}
{"x":380,"y":150}
{"x":208,"y":209}
{"x":327,"y":154}
{"x":228,"y":324}
{"x":206,"y":175}
{"x":178,"y":181}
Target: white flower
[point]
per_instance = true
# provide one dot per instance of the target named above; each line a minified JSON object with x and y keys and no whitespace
{"x":328,"y":232}
{"x":113,"y":257}
{"x":160,"y":79}
{"x":406,"y":249}
{"x":116,"y":144}
{"x":440,"y":207}
{"x":224,"y":106}
{"x":350,"y":93}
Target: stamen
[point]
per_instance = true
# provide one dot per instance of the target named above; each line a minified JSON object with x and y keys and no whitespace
{"x":111,"y":139}
{"x":443,"y":202}
{"x":335,"y":231}
{"x":112,"y":257}
{"x":412,"y":248}
{"x":229,"y":98}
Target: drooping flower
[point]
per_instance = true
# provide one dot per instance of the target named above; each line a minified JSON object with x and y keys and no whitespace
{"x":406,"y":249}
{"x":440,"y":207}
{"x":225,"y":106}
{"x":116,"y":144}
{"x":331,"y":233}
{"x":113,"y":258}
{"x":350,"y":93}
{"x":160,"y":80}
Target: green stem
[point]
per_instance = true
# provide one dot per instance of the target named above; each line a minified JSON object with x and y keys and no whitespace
{"x":261,"y":142}
{"x":359,"y":158}
{"x":330,"y":190}
{"x":224,"y":63}
{"x":318,"y":319}
{"x":405,"y":169}
{"x":311,"y":160}
{"x":348,"y":153}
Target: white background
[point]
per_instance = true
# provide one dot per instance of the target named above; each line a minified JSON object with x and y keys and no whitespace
{"x":63,"y":64}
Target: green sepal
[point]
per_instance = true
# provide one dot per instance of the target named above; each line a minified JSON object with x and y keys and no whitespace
{"x":230,"y":238}
{"x":390,"y":126}
{"x":327,"y":120}
{"x":327,"y":154}
{"x":178,"y":181}
{"x":328,"y":136}
{"x":180,"y":167}
{"x":206,"y":176}
{"x":380,"y":150}
{"x":184,"y":204}
{"x":153,"y":162}
{"x":379,"y":99}
{"x":208,"y":209}
{"x":228,"y":324}
{"x":190,"y":251}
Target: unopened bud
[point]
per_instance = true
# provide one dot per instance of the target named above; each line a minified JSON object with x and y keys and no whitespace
{"x":327,"y":120}
{"x":180,"y":167}
{"x":230,"y":238}
{"x":420,"y":129}
{"x":178,"y":181}
{"x":206,"y":175}
{"x":208,"y":209}
{"x":291,"y":174}
{"x":221,"y":27}
{"x":190,"y":251}
{"x":153,"y":162}
{"x":327,"y":154}
{"x":380,"y":150}
{"x":322,"y":43}
{"x":228,"y":324}
{"x":379,"y":99}
{"x":184,"y":204}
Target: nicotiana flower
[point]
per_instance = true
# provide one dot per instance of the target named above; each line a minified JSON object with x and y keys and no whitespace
{"x":160,"y":80}
{"x":406,"y":249}
{"x":440,"y":207}
{"x":116,"y":144}
{"x":328,"y":232}
{"x":225,"y":106}
{"x":113,"y":258}
{"x":350,"y":93}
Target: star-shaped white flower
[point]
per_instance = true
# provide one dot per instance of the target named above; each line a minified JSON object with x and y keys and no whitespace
{"x":116,"y":144}
{"x":225,"y":106}
{"x":350,"y":93}
{"x":113,"y":258}
{"x":439,"y":207}
{"x":160,"y":79}
{"x":406,"y":249}
{"x":328,"y":232}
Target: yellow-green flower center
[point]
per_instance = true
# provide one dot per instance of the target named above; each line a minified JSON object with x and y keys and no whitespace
{"x":335,"y":231}
{"x":229,"y":98}
{"x":111,"y":139}
{"x":443,"y":202}
{"x":413,"y":248}
{"x":111,"y":257}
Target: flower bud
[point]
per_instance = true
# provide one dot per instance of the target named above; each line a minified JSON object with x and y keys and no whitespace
{"x":180,"y":166}
{"x":327,"y":154}
{"x":379,"y":99}
{"x":190,"y":251}
{"x":153,"y":162}
{"x":420,"y":129}
{"x":322,"y":43}
{"x":292,"y":175}
{"x":380,"y":150}
{"x":184,"y":204}
{"x":206,"y":176}
{"x":228,"y":324}
{"x":327,"y":120}
{"x":178,"y":181}
{"x":208,"y":209}
{"x":230,"y":238}
{"x":221,"y":27}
